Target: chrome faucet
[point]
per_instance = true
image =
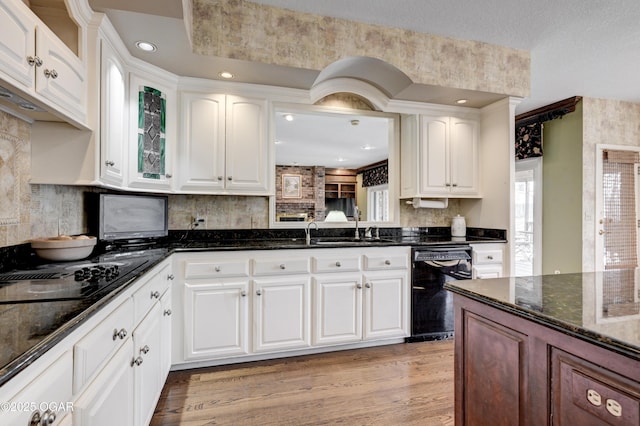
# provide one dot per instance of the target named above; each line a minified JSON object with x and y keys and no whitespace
{"x":356,"y":215}
{"x":307,"y":232}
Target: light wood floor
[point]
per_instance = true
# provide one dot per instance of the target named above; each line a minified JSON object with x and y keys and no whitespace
{"x":404,"y":384}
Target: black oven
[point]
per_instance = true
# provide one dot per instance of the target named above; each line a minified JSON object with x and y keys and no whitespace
{"x":431,"y":304}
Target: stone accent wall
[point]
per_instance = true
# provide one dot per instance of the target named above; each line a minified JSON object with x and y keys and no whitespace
{"x":239,"y":29}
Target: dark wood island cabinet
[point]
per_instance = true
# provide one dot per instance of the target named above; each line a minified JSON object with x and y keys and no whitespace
{"x":548,"y":350}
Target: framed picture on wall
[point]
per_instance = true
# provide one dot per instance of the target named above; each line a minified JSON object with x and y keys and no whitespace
{"x":291,"y":186}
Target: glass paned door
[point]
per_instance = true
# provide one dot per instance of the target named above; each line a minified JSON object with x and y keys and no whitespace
{"x":528,"y":217}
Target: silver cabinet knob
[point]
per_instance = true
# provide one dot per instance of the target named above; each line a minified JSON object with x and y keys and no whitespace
{"x":170,"y":277}
{"x":168,"y":175}
{"x":34,"y":60}
{"x":219,"y":177}
{"x":53,"y":74}
{"x":447,"y":184}
{"x":454,"y":185}
{"x":490,"y":257}
{"x":387,"y":262}
{"x":338,"y":264}
{"x":46,"y":418}
{"x":137,"y":361}
{"x":283,"y":266}
{"x":109,"y":163}
{"x":145,"y":349}
{"x":155,"y":294}
{"x":368,"y":285}
{"x":259,"y":292}
{"x":358,"y":285}
{"x":244,"y":293}
{"x":167,"y":312}
{"x":217,"y":269}
{"x":122,"y":333}
{"x":229,"y":178}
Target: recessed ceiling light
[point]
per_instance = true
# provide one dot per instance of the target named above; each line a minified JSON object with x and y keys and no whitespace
{"x":226,"y":74}
{"x":341,"y":160}
{"x":288,"y":117}
{"x":367,"y":147}
{"x":146,"y":46}
{"x":461,"y":101}
{"x":355,"y":122}
{"x":278,"y":142}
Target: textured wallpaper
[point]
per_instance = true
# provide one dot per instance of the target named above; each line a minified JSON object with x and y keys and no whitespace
{"x":254,"y":32}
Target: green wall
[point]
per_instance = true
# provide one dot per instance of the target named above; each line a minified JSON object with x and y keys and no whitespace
{"x":562,"y":194}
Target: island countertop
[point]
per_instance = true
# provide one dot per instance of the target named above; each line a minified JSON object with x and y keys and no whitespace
{"x":602,"y":308}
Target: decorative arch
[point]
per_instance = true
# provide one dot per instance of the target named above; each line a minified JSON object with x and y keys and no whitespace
{"x":371,"y":78}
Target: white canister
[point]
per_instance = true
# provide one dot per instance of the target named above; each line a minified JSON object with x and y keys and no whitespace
{"x":458,"y":226}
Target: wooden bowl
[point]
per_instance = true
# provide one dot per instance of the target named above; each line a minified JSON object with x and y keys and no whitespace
{"x":64,"y":248}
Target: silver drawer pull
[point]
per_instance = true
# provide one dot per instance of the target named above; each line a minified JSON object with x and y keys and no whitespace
{"x":282,"y":266}
{"x":490,"y":257}
{"x":387,"y":262}
{"x":34,"y":60}
{"x":155,"y":294}
{"x":338,"y":264}
{"x":137,"y":361}
{"x":167,"y":312}
{"x":217,"y":269}
{"x":121,"y":334}
{"x":145,"y":349}
{"x":368,"y":285}
{"x":53,"y":74}
{"x":170,"y":277}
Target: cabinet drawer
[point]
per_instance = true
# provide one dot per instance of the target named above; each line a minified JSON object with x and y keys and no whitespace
{"x":281,"y":266}
{"x":381,"y":262}
{"x":482,"y":257}
{"x":148,"y":294}
{"x":50,"y":390}
{"x":98,"y":345}
{"x":339,"y":263}
{"x":225,"y":268}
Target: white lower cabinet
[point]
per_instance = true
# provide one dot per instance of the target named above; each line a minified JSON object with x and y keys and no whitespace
{"x":45,"y":398}
{"x":110,"y":398}
{"x":254,"y":303}
{"x":147,"y":365}
{"x":386,"y":304}
{"x":216,"y":318}
{"x":281,"y":313}
{"x":487,"y":261}
{"x":337,"y":309}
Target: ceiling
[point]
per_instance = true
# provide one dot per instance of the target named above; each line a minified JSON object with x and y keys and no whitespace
{"x":578,"y":47}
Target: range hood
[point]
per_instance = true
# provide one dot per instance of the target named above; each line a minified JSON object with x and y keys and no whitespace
{"x":24,"y":108}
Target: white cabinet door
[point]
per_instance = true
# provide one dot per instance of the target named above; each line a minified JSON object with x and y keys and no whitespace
{"x":113,"y":115}
{"x":109,"y":399}
{"x":202,"y":143}
{"x":216,"y":319}
{"x":281,"y":313}
{"x":152,"y":134}
{"x":482,"y":272}
{"x":62,"y":77}
{"x":147,"y":359}
{"x":337,"y":309}
{"x":17,"y":44}
{"x":464,"y":157}
{"x":165,"y":334}
{"x":434,"y":155}
{"x":386,"y":304}
{"x":246,"y":145}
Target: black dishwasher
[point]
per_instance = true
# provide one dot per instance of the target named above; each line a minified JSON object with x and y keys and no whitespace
{"x":431,"y":304}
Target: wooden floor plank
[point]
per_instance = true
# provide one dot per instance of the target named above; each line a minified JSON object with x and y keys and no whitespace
{"x":404,"y":384}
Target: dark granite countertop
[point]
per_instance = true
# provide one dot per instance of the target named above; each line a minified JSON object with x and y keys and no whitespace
{"x":28,"y":330}
{"x":599,"y":307}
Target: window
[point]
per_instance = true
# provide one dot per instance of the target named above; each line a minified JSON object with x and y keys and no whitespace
{"x":378,"y":203}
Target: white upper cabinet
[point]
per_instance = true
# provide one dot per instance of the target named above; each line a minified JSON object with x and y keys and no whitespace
{"x":223,"y":146}
{"x":113,"y":115}
{"x":439,"y":156}
{"x":152,"y":131}
{"x":34,"y":61}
